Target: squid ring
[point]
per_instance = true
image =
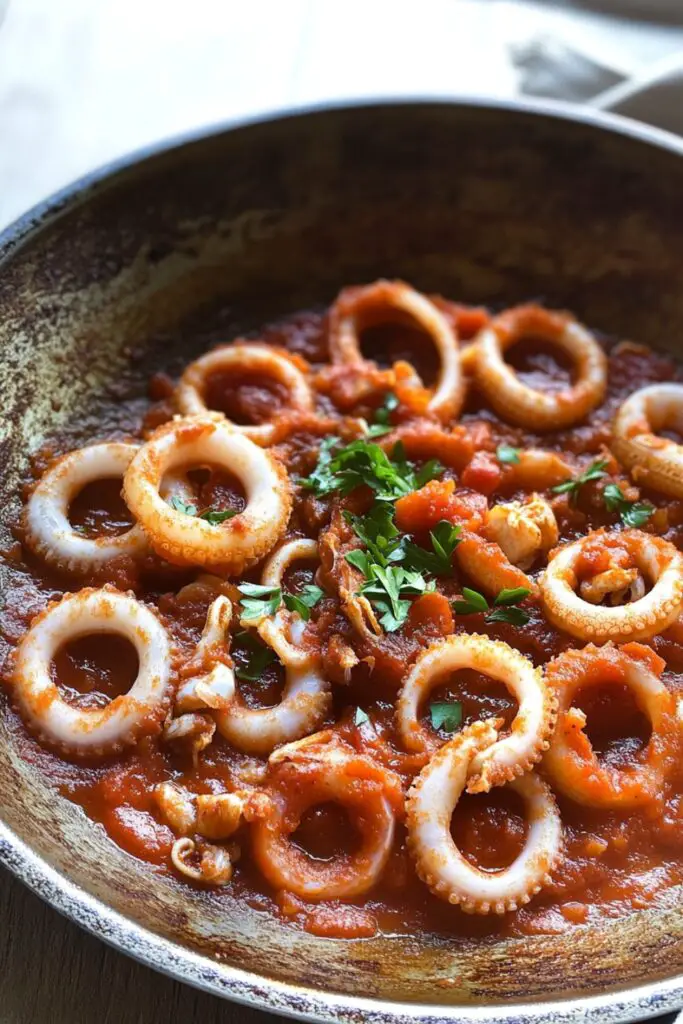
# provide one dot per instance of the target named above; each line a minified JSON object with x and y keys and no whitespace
{"x":188,"y":540}
{"x":303,"y":707}
{"x":439,"y":862}
{"x":528,"y":739}
{"x":573,"y":766}
{"x":382,"y":302}
{"x":94,"y":731}
{"x":257,"y":359}
{"x":652,"y":460}
{"x":318,"y":777}
{"x":48,"y":530}
{"x":284,"y":630}
{"x":657,"y":559}
{"x":517,"y":403}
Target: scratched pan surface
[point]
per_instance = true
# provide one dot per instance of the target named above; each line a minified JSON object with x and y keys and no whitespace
{"x":102,"y":285}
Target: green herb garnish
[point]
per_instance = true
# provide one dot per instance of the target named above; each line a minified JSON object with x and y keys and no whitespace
{"x":446,"y":716}
{"x":505,"y":607}
{"x":363,"y":463}
{"x":632,"y":513}
{"x":260,"y":657}
{"x":259,"y":602}
{"x":388,"y":588}
{"x":178,"y":505}
{"x":212,"y":516}
{"x":381,"y":424}
{"x":444,"y":538}
{"x":595,"y":471}
{"x":360,"y":717}
{"x":508,"y":455}
{"x":302,"y":602}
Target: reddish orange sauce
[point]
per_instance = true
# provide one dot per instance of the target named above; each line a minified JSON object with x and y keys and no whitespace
{"x":612,"y":864}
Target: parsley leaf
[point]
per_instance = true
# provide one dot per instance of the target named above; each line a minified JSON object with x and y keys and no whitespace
{"x":505,"y":605}
{"x":633,"y":513}
{"x":381,"y":423}
{"x":260,"y":601}
{"x":360,"y":717}
{"x":446,"y":716}
{"x":178,"y":505}
{"x":595,"y":471}
{"x":302,"y":602}
{"x":508,"y":455}
{"x":445,"y":537}
{"x":474,"y":602}
{"x":388,"y":587}
{"x":378,"y":532}
{"x":321,"y":480}
{"x":215,"y":518}
{"x":260,"y":657}
{"x":364,"y":463}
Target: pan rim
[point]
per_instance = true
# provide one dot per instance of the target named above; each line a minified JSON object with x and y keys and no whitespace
{"x":168,"y":957}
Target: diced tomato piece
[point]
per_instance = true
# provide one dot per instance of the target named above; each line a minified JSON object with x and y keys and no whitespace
{"x":483,"y":473}
{"x":437,"y":500}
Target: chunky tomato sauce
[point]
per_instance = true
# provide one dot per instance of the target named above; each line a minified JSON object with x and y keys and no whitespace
{"x":613,"y":862}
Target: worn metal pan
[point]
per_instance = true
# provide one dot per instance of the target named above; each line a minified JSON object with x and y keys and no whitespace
{"x":492,"y":202}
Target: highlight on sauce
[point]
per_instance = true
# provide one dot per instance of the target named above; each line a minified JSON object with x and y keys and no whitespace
{"x":372,"y":621}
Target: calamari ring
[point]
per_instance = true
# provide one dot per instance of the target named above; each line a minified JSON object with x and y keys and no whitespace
{"x":439,"y":863}
{"x":573,"y":766}
{"x":94,"y":731}
{"x":283,"y":631}
{"x":652,"y":460}
{"x":256,"y":359}
{"x":231,"y":546}
{"x":358,"y":308}
{"x":48,"y":530}
{"x":326,"y":775}
{"x":656,"y":559}
{"x":517,"y":403}
{"x":530,"y":730}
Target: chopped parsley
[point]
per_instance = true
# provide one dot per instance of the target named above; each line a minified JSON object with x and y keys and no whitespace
{"x":302,"y":602}
{"x":446,"y":716}
{"x":260,"y":657}
{"x":378,"y":532}
{"x":363,"y":463}
{"x":360,"y":717}
{"x":388,"y":588}
{"x":595,"y":471}
{"x":632,"y":513}
{"x":258,"y":601}
{"x":381,"y":424}
{"x":507,"y":455}
{"x":505,"y":607}
{"x":212,"y":516}
{"x":444,"y":538}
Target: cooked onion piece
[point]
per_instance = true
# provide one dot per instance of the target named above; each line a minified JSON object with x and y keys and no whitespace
{"x":505,"y":758}
{"x":356,"y":309}
{"x":571,"y":761}
{"x":439,"y":862}
{"x":94,"y":731}
{"x":48,"y":530}
{"x":517,"y":403}
{"x":318,"y":773}
{"x":284,"y":630}
{"x":523,"y":530}
{"x":257,"y":360}
{"x":652,"y":460}
{"x":659,"y":562}
{"x":233,"y":545}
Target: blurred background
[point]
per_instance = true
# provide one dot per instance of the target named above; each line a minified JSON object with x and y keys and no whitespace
{"x":84,"y":81}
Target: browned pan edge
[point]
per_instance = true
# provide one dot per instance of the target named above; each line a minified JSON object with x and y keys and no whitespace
{"x":179,"y":962}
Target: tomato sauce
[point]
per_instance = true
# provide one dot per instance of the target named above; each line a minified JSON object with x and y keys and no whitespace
{"x":613,"y":863}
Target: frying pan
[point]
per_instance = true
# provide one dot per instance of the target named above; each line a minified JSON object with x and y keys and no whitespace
{"x":144,"y":264}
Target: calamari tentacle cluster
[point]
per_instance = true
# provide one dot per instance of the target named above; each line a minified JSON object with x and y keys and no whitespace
{"x":48,"y":530}
{"x":316,"y":772}
{"x":652,"y":460}
{"x":257,"y":360}
{"x":656,"y":559}
{"x":509,"y":756}
{"x":439,"y":862}
{"x":99,"y":731}
{"x":571,"y":761}
{"x":514,"y":400}
{"x":356,"y":309}
{"x":231,"y":546}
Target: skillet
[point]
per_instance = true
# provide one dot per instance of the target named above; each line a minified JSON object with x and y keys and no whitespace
{"x":109,"y":280}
